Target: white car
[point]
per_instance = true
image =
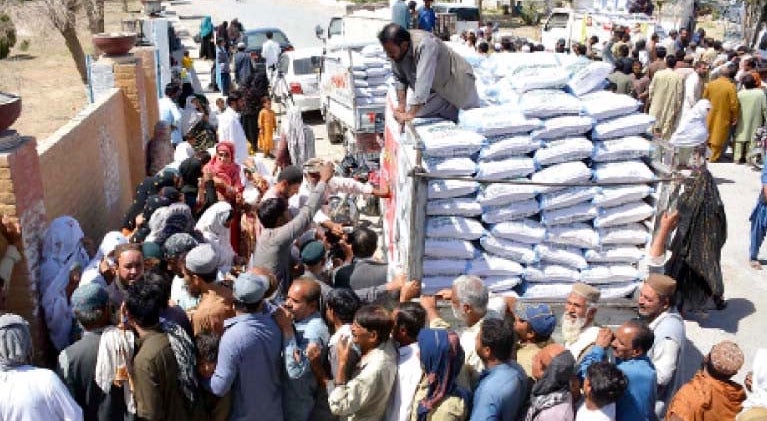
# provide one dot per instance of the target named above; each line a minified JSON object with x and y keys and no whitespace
{"x":300,"y":69}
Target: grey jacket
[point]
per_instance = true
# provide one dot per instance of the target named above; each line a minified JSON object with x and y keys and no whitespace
{"x":430,"y":65}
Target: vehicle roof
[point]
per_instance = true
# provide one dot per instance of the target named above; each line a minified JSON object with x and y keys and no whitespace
{"x":456,"y":5}
{"x":257,"y":30}
{"x":304,"y":52}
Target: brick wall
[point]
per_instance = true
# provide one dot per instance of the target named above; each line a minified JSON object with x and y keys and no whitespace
{"x":85,"y":165}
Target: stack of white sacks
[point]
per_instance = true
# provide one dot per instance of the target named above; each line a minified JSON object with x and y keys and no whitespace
{"x":548,"y":124}
{"x":372,"y":75}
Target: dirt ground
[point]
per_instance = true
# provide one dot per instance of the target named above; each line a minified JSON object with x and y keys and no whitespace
{"x":45,"y":75}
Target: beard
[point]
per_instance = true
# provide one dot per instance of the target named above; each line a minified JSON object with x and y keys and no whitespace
{"x":458,"y":314}
{"x":571,"y":328}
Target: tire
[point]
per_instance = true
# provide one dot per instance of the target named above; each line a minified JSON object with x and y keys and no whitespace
{"x":335,"y":135}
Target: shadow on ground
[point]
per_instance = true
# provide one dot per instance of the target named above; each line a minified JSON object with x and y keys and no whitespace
{"x":22,"y":57}
{"x":728,"y":319}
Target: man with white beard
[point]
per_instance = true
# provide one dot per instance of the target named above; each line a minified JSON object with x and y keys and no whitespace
{"x":578,"y":330}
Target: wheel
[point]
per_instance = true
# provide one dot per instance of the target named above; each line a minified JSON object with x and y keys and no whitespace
{"x":335,"y":134}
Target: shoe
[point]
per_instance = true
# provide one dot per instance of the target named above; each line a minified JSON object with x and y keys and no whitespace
{"x":755,"y":265}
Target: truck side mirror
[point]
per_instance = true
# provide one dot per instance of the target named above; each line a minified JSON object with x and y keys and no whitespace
{"x":319,"y":32}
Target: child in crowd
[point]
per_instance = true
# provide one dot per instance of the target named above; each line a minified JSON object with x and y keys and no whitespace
{"x":267,"y":122}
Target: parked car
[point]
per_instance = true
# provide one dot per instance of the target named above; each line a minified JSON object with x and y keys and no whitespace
{"x":254,"y":40}
{"x":300,"y":69}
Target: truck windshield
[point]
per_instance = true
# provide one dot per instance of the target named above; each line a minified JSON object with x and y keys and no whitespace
{"x":306,"y":66}
{"x":557,"y":20}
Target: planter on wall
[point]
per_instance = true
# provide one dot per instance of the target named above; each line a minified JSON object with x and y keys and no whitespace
{"x":114,"y":43}
{"x":10,"y":109}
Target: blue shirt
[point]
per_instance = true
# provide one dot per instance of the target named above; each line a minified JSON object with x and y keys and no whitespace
{"x":301,"y":388}
{"x":250,"y":364}
{"x":500,"y":393}
{"x":400,"y":15}
{"x":426,"y":19}
{"x":764,"y":175}
{"x":638,"y":401}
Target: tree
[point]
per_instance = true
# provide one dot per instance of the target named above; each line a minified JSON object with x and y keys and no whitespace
{"x":94,"y":10}
{"x":756,"y":13}
{"x":63,"y":16}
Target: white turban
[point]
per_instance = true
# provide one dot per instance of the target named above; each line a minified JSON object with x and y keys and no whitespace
{"x":15,"y":341}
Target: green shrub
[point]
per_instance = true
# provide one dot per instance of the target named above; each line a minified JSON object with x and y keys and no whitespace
{"x":7,"y":35}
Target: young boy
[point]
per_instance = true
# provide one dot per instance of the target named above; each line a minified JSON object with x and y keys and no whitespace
{"x":267,"y":122}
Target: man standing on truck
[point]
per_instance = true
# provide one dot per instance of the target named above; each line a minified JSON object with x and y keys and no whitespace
{"x":442,"y":81}
{"x":400,"y":15}
{"x":427,"y":19}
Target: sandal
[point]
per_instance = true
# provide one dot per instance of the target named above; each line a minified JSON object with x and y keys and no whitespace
{"x":755,"y":265}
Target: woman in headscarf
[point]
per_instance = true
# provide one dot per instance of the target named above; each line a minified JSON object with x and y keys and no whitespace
{"x":105,"y":255}
{"x":173,"y":219}
{"x":551,"y":400}
{"x":207,"y":48}
{"x":755,"y":406}
{"x":149,"y":187}
{"x":62,"y":246}
{"x":203,"y":130}
{"x":191,"y":171}
{"x":215,"y":226}
{"x":59,"y":317}
{"x":190,"y":115}
{"x":142,"y":230}
{"x":225,"y":172}
{"x":29,"y":393}
{"x":438,"y":397}
{"x":256,"y":87}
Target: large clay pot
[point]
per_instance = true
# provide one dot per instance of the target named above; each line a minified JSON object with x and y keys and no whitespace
{"x":114,"y":43}
{"x":10,"y":109}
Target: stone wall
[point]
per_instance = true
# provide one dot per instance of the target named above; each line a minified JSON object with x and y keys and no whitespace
{"x":86,"y":165}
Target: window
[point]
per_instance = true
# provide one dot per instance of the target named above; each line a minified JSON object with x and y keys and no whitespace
{"x":557,"y":20}
{"x":336,"y":27}
{"x":306,"y":66}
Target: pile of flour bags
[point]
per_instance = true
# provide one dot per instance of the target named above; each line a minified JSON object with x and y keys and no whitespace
{"x":548,"y":123}
{"x":371,"y":71}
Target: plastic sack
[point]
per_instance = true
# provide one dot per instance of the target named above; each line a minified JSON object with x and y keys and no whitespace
{"x":497,"y":120}
{"x":609,"y":274}
{"x":559,"y":127}
{"x":490,"y":265}
{"x":635,"y":234}
{"x":568,"y":172}
{"x":518,"y":252}
{"x":563,"y":255}
{"x":547,"y":103}
{"x":359,"y":74}
{"x":628,"y":125}
{"x":504,"y":194}
{"x":623,"y":214}
{"x":605,"y":104}
{"x":450,"y":167}
{"x":619,"y":195}
{"x":614,"y":254}
{"x":567,"y":197}
{"x":449,"y":249}
{"x":445,"y":141}
{"x":564,"y":150}
{"x":505,"y":169}
{"x":557,"y":273}
{"x":523,"y":231}
{"x":622,"y":149}
{"x":504,"y":147}
{"x":623,"y":172}
{"x":589,"y":78}
{"x":510,"y":65}
{"x":539,"y":78}
{"x":376,"y":72}
{"x":442,"y":267}
{"x":577,"y":213}
{"x":510,"y":212}
{"x":459,"y":206}
{"x":499,"y":284}
{"x":454,"y":227}
{"x":577,"y":235}
{"x":432,"y":284}
{"x":692,"y":130}
{"x":446,"y":189}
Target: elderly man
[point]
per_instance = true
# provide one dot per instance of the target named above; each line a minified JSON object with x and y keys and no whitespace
{"x":630,"y":344}
{"x":215,"y":306}
{"x":441,"y":80}
{"x":711,"y":394}
{"x":724,"y":111}
{"x":656,"y":307}
{"x":469,"y":297}
{"x":249,"y":357}
{"x":27,"y":392}
{"x":578,"y":329}
{"x":303,"y":332}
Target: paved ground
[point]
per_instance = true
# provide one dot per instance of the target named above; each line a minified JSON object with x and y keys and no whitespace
{"x":746,"y":289}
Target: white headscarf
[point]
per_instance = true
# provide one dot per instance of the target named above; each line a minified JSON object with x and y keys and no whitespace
{"x":108,"y":244}
{"x":758,"y":396}
{"x":211,"y":226}
{"x":15,"y":342}
{"x":62,"y":244}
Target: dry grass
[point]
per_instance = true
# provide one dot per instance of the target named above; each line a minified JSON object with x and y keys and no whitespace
{"x":45,"y":75}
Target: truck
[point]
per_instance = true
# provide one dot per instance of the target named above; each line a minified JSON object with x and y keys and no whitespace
{"x":579,"y":23}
